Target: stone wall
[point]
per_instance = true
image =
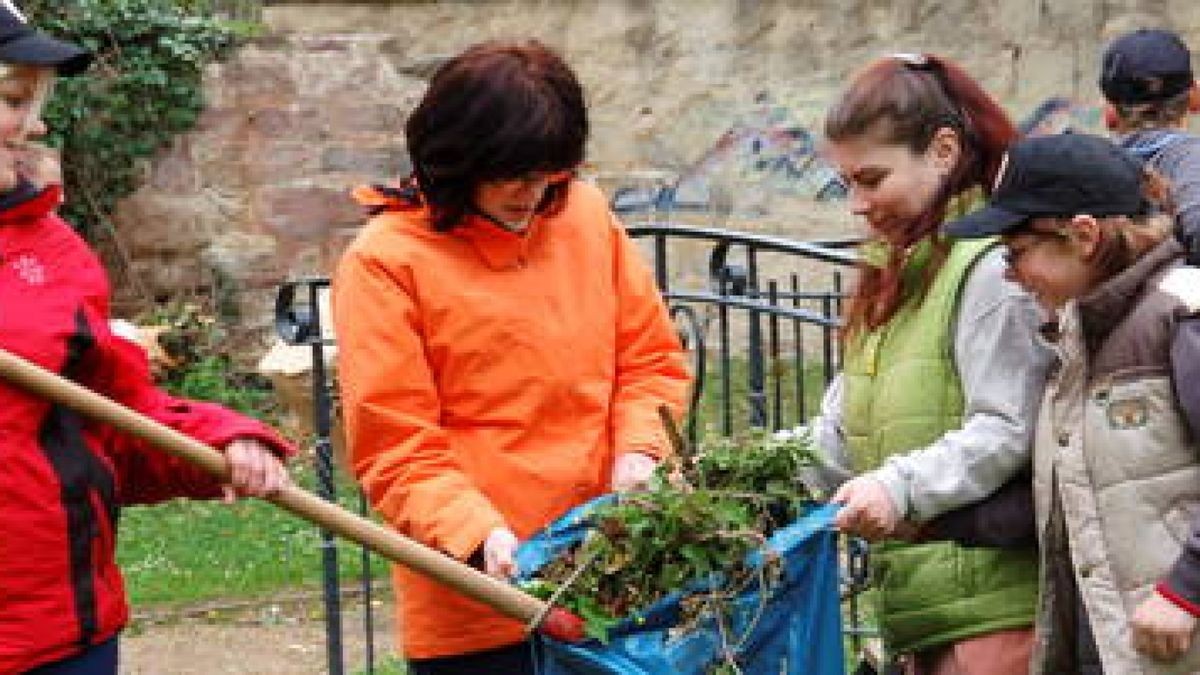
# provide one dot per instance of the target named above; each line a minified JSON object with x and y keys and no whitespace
{"x":259,"y":192}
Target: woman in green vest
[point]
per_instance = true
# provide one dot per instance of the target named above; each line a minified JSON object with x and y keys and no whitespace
{"x":942,"y":369}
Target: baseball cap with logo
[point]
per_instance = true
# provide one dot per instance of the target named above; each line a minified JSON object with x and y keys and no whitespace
{"x":1144,"y":66}
{"x":21,"y":44}
{"x":1060,"y":175}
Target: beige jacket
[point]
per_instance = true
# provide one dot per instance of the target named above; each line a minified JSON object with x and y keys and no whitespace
{"x":1116,"y":469}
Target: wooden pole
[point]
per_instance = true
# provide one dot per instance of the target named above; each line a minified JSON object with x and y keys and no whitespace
{"x":503,"y":597}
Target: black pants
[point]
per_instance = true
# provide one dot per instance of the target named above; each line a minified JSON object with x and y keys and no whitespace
{"x":512,"y":660}
{"x":100,"y":659}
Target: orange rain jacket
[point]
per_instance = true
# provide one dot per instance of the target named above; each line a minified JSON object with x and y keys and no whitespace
{"x":488,"y":378}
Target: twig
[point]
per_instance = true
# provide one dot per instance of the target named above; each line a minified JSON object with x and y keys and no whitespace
{"x":552,"y":601}
{"x":678,"y":443}
{"x":727,"y":651}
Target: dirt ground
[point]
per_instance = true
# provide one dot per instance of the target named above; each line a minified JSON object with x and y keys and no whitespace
{"x":275,"y":637}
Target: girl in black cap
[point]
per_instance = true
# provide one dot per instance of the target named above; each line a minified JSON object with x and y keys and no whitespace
{"x":62,"y":479}
{"x":1117,"y":446}
{"x":941,"y":372}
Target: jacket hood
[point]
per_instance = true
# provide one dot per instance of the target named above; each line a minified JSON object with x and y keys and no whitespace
{"x":1102,"y":309}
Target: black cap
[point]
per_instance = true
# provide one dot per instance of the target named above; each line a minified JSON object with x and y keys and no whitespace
{"x":1061,"y":175}
{"x":21,"y":45}
{"x":1146,"y":65}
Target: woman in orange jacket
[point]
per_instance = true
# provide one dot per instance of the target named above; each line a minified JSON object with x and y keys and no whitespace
{"x":503,"y":349}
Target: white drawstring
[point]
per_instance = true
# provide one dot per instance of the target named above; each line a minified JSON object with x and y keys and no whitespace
{"x":8,"y":4}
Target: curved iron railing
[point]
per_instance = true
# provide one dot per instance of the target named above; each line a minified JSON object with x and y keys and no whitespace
{"x":766,"y":315}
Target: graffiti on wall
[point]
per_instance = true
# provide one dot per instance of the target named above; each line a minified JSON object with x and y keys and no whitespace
{"x":767,"y":154}
{"x":1059,"y":114}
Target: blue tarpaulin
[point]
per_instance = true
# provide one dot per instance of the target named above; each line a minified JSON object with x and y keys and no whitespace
{"x":796,"y":629}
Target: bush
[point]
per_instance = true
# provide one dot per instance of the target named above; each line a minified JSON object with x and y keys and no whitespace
{"x":143,"y":89}
{"x":196,"y":360}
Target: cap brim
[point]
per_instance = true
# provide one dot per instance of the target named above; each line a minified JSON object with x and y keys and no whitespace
{"x":988,"y":221}
{"x":37,"y":49}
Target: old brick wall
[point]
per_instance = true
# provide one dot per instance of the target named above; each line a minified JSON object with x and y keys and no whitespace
{"x":259,"y":191}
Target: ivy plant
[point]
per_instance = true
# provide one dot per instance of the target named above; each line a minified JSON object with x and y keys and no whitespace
{"x":143,"y":90}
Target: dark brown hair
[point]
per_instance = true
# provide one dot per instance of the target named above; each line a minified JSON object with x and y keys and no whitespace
{"x":904,"y":100}
{"x":1124,"y":239}
{"x":497,"y":111}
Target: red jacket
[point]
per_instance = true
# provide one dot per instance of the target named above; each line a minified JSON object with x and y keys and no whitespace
{"x":62,"y":478}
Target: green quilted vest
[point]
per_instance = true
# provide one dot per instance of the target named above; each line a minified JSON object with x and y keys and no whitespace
{"x":903,"y":393}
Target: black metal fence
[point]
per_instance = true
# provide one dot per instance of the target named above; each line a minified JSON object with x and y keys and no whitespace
{"x":758,"y":315}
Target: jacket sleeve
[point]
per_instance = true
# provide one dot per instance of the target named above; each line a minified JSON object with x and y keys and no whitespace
{"x":831,"y":464}
{"x":1005,"y":519}
{"x":650,"y":368}
{"x":1184,"y":174}
{"x":391,"y":409}
{"x":1184,"y":578}
{"x":146,"y":474}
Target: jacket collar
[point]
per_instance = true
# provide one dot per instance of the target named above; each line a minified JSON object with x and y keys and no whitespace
{"x":498,"y":247}
{"x":1101,"y":310}
{"x":25,"y":204}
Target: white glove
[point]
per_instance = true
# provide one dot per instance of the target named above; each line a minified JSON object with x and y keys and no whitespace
{"x":499,"y":553}
{"x":632,"y":470}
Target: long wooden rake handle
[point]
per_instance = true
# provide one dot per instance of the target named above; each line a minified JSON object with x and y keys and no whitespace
{"x":504,"y":598}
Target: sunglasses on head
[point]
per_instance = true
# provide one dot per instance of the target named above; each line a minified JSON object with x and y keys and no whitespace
{"x":924,"y":63}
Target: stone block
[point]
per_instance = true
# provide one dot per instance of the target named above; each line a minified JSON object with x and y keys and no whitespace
{"x":261,"y":78}
{"x":174,"y":170}
{"x":281,"y":162}
{"x":153,"y":224}
{"x":307,"y":213}
{"x":374,"y":163}
{"x":166,"y":276}
{"x":291,"y":122}
{"x":244,"y":259}
{"x":384,"y":121}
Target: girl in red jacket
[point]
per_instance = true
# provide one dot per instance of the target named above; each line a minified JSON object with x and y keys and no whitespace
{"x":63,"y":478}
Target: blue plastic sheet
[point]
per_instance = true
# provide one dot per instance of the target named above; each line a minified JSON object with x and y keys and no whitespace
{"x":796,"y":629}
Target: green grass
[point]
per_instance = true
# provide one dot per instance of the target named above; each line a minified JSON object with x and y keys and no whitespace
{"x":191,"y":551}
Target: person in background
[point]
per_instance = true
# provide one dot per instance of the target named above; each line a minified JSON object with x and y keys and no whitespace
{"x":503,"y":348}
{"x":942,"y":368}
{"x":1149,"y":90}
{"x":1117,"y":450}
{"x":63,"y":478}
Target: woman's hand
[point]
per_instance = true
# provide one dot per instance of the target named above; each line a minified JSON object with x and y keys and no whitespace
{"x":254,"y":471}
{"x":500,"y":553}
{"x":632,"y":470}
{"x":867,"y":509}
{"x":1162,"y":630}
